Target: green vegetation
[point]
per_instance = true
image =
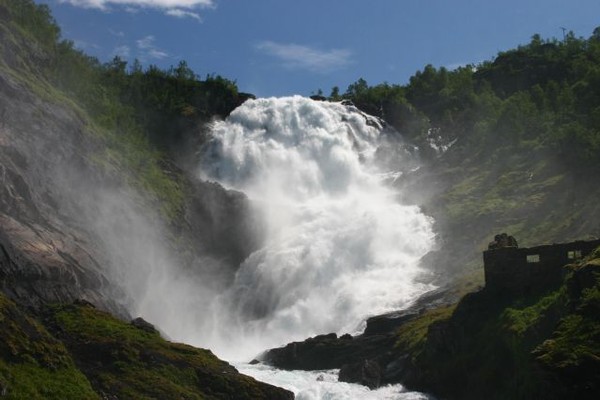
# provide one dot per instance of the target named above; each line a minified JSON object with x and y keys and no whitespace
{"x":413,"y":334}
{"x":574,"y":348}
{"x":521,"y":320}
{"x":524,"y":139}
{"x":79,"y":352}
{"x":543,"y":95}
{"x":33,"y":364}
{"x":136,"y":363}
{"x":489,"y":346}
{"x":524,"y":131}
{"x":140,"y":116}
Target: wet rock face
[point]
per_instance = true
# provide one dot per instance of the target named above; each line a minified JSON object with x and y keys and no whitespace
{"x":44,"y":255}
{"x":222,"y":223}
{"x":362,"y":359}
{"x":366,"y":372}
{"x":38,"y":265}
{"x":50,"y":178}
{"x":144,"y":325}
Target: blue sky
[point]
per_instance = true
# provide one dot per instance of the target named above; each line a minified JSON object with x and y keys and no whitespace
{"x":284,"y":47}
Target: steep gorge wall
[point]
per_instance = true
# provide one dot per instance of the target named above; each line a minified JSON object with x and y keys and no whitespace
{"x":45,"y":256}
{"x":59,"y":186}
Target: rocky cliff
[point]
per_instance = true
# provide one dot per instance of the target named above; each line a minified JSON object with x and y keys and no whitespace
{"x":46,"y":255}
{"x":76,"y":202}
{"x":63,"y":179}
{"x":54,"y":182}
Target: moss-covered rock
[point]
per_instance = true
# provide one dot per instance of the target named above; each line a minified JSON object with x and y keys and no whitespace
{"x":130,"y":362}
{"x":492,"y":346}
{"x":33,"y":364}
{"x":80,"y":352}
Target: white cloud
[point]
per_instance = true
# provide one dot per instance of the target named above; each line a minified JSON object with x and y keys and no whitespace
{"x":122,"y":51}
{"x":83,"y":45}
{"x":179,"y":13}
{"x":147,"y":49}
{"x":173,"y":8}
{"x":146,"y":42}
{"x":116,"y":33}
{"x":453,"y":66}
{"x":164,"y":4}
{"x":159,"y":54}
{"x":304,"y":57}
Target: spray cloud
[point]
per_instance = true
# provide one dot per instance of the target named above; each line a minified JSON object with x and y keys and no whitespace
{"x":339,"y":247}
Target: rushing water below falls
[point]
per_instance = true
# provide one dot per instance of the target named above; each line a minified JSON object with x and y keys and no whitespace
{"x":323,"y":385}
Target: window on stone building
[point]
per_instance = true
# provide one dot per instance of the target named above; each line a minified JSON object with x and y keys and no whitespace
{"x":533,"y":258}
{"x":574,"y":254}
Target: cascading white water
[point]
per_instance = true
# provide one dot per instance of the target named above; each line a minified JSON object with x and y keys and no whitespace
{"x":339,"y":247}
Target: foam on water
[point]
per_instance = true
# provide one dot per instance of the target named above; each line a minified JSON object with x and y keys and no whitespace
{"x":323,"y":385}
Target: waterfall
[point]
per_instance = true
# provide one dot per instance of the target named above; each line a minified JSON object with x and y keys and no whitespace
{"x":339,"y":247}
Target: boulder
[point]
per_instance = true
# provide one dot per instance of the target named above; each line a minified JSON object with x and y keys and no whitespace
{"x":502,"y":240}
{"x":144,"y":325}
{"x":329,"y":351}
{"x":365,"y":372}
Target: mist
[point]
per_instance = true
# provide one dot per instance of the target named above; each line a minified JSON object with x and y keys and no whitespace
{"x":338,"y":247}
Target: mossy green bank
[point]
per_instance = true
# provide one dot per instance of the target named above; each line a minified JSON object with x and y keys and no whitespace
{"x":497,"y":346}
{"x":79,"y":352}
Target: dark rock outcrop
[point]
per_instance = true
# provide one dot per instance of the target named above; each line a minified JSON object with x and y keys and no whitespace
{"x":144,"y":325}
{"x":502,"y":240}
{"x":370,"y":359}
{"x":386,"y":323}
{"x":366,"y":372}
{"x":329,"y":351}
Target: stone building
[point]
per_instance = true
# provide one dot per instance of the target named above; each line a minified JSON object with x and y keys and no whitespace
{"x":524,"y":270}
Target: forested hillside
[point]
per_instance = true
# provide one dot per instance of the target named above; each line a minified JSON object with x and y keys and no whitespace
{"x":511,"y":144}
{"x":543,"y":95}
{"x":143,"y":113}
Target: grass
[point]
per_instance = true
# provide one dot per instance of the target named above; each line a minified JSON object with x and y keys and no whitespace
{"x":413,"y":334}
{"x":521,"y":320}
{"x":31,"y":381}
{"x":123,"y":149}
{"x":576,"y":341}
{"x":33,"y":364}
{"x":80,"y":352}
{"x":131,"y":155}
{"x":132,"y":363}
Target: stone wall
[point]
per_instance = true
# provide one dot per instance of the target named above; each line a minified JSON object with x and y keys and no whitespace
{"x":527,"y":270}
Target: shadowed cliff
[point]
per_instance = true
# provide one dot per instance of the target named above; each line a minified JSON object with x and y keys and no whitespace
{"x":90,"y":211}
